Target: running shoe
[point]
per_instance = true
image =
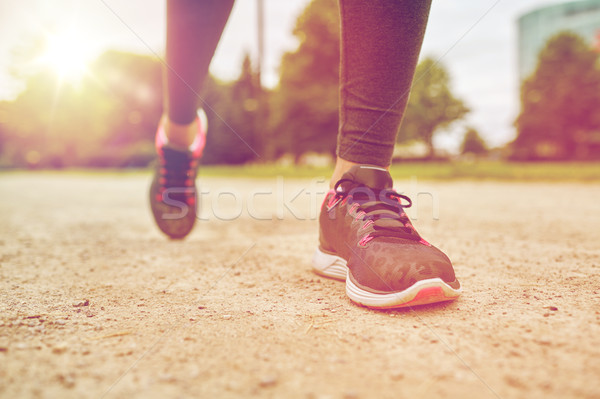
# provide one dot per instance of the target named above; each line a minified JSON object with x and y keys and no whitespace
{"x":173,"y":190}
{"x":367,"y":239}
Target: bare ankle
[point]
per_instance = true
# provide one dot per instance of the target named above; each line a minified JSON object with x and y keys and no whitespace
{"x":341,"y":167}
{"x":180,"y":135}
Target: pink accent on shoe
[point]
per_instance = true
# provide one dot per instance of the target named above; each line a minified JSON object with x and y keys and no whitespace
{"x":363,"y":241}
{"x":160,"y":139}
{"x":424,"y":296}
{"x":360,"y":215}
{"x":197,"y":146}
{"x":366,"y":225}
{"x":353,"y":207}
{"x":333,"y":200}
{"x":422,"y":241}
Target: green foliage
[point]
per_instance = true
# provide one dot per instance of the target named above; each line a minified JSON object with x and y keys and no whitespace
{"x":560,"y":103}
{"x":431,"y":105}
{"x":473,"y":143}
{"x":109,"y":119}
{"x":232,"y":112}
{"x":304,"y":109}
{"x":101,"y":121}
{"x":133,"y":86}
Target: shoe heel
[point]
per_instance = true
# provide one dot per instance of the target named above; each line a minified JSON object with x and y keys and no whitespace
{"x":328,"y":265}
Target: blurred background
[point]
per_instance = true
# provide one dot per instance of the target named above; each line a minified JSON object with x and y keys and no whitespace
{"x":81,"y":83}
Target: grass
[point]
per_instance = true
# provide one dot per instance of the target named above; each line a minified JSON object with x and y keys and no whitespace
{"x":480,"y":170}
{"x":500,"y":170}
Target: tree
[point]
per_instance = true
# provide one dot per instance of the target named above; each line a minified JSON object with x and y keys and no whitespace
{"x":560,"y":102}
{"x":109,"y":118}
{"x":304,"y":106}
{"x":104,"y":120}
{"x":473,"y":143}
{"x":132,"y":84}
{"x":232,"y":117}
{"x":53,"y":125}
{"x":431,"y":105}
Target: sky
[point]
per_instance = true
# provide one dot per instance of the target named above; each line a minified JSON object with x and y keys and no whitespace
{"x":476,"y":40}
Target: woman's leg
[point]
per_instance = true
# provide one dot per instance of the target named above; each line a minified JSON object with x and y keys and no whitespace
{"x":193,"y":31}
{"x":194,"y":28}
{"x":380,"y":45}
{"x":366,"y":237}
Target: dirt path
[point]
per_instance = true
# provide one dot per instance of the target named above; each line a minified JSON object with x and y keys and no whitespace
{"x":95,"y":303}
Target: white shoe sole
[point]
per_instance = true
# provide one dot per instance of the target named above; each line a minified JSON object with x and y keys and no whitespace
{"x":328,"y":265}
{"x":422,"y":292}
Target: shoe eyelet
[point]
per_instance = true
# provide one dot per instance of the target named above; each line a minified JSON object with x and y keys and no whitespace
{"x":363,"y":241}
{"x":367,"y":224}
{"x":360,"y":215}
{"x":333,"y":201}
{"x":353,"y":207}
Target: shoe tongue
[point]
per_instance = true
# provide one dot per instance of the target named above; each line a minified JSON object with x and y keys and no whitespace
{"x":371,"y":176}
{"x":177,"y":148}
{"x":175,"y":158}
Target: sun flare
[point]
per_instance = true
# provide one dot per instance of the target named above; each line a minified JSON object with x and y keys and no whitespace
{"x":67,"y":53}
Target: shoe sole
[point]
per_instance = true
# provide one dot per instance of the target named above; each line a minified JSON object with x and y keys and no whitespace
{"x":423,"y":292}
{"x":328,"y":265}
{"x":174,"y":228}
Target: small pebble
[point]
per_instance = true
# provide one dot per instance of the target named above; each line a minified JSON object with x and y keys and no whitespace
{"x":397,"y":376}
{"x":80,"y":303}
{"x":60,"y":348}
{"x":350,"y":395}
{"x":67,"y":380}
{"x":268,"y":381}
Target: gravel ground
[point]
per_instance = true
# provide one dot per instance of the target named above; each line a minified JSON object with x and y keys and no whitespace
{"x":96,"y":303}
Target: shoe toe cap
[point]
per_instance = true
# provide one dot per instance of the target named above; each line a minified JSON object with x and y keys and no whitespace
{"x":387,"y":266}
{"x":176,"y":220}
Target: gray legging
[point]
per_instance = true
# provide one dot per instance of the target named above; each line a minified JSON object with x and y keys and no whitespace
{"x":380,"y":45}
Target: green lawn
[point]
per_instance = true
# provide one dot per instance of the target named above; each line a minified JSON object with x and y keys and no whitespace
{"x":495,"y":170}
{"x":490,"y":170}
{"x":576,"y":171}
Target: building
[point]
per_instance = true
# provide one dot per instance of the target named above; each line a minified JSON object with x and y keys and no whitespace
{"x":537,"y":26}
